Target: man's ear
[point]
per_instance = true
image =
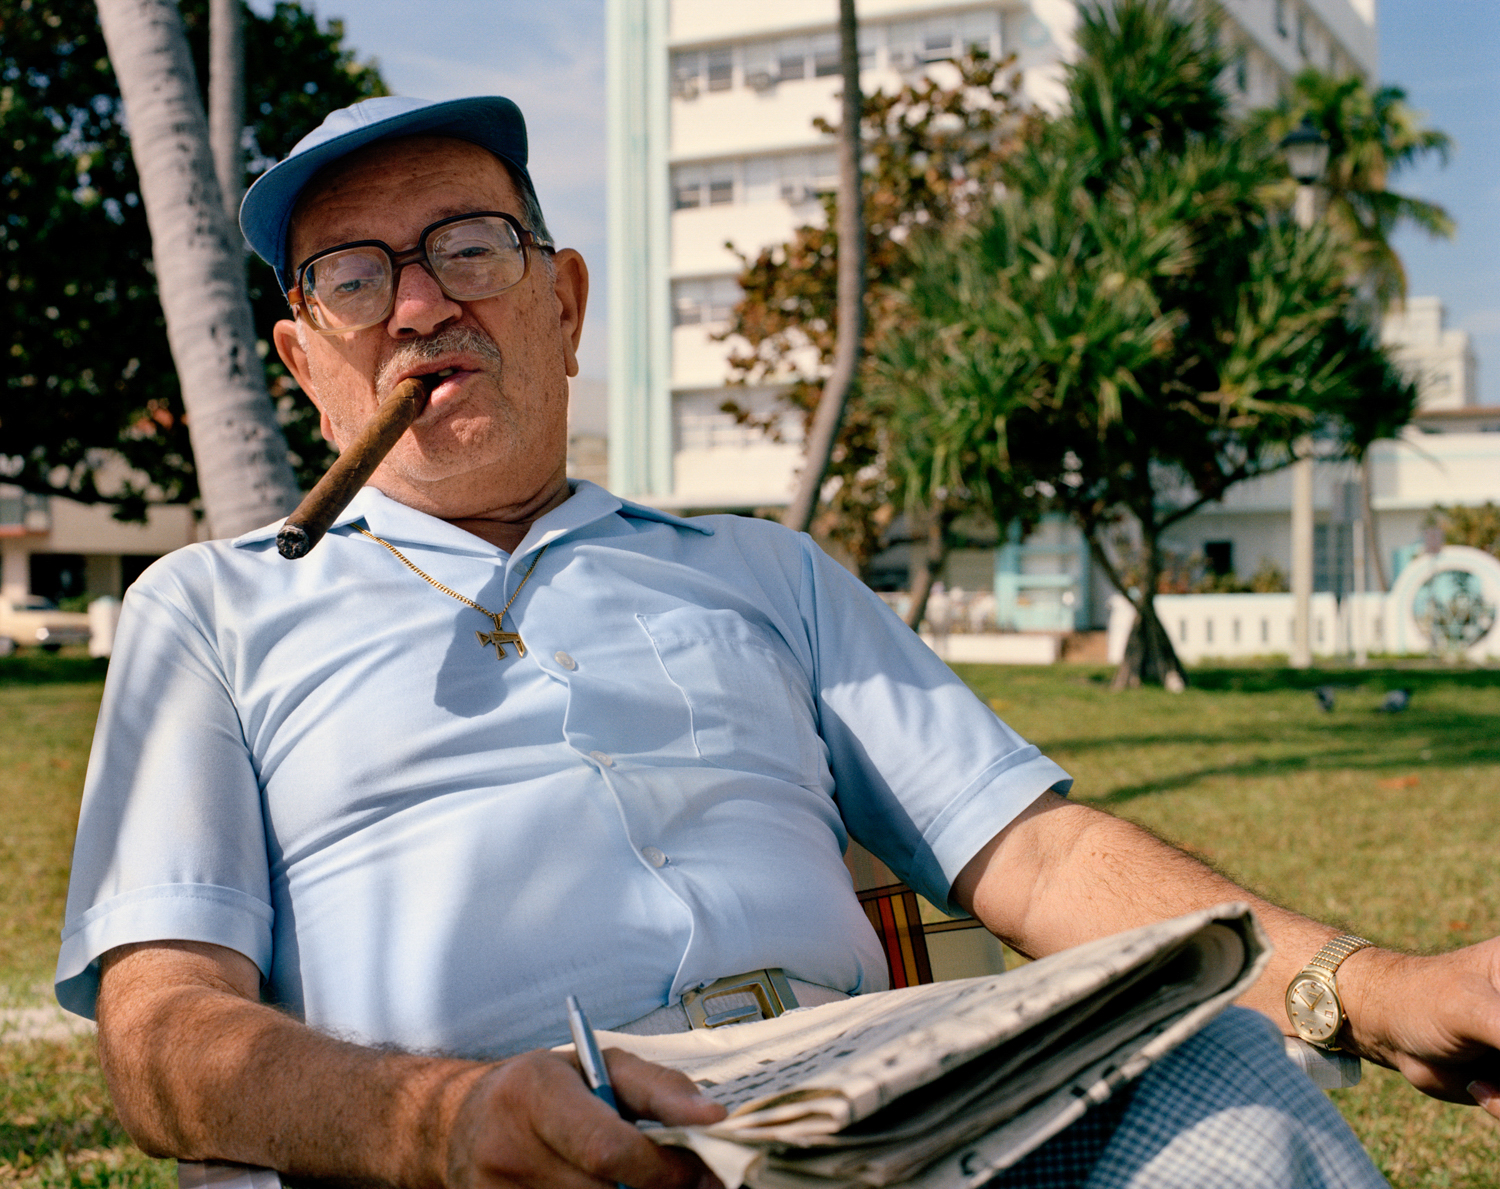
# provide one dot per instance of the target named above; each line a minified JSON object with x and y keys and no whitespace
{"x":572,"y":289}
{"x":289,"y":347}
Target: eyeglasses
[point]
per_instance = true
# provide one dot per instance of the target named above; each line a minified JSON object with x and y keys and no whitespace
{"x":353,"y":286}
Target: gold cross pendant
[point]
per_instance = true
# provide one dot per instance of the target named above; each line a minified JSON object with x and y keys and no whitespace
{"x":500,"y":638}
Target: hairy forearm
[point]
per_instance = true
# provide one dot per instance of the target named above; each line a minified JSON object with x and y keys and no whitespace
{"x":1065,"y":874}
{"x":198,"y":1070}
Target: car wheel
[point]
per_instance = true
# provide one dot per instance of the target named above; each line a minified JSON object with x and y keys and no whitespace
{"x":7,"y":646}
{"x":51,"y":647}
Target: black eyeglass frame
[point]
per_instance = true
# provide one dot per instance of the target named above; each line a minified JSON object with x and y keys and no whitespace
{"x":416,"y":255}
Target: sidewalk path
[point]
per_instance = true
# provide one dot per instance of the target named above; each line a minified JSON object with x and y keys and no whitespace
{"x":48,"y":1022}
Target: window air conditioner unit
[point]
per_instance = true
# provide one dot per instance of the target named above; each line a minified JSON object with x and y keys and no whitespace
{"x":796,"y":193}
{"x":761,"y":80}
{"x":686,"y":87}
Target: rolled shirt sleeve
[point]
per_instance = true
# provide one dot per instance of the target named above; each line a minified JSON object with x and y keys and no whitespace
{"x":171,"y":841}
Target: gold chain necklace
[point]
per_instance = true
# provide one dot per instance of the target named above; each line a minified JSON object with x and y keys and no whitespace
{"x":499,"y":637}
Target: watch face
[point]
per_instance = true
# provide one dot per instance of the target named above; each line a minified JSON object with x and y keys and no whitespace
{"x":1314,"y":1009}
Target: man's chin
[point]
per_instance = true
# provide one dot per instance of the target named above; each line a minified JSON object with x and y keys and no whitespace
{"x":454,"y":489}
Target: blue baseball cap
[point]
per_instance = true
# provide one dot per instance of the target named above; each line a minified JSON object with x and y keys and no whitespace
{"x":492,"y":122}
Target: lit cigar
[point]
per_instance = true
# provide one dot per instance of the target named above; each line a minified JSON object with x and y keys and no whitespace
{"x":321,"y":506}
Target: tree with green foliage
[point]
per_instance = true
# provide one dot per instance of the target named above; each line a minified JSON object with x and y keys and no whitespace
{"x":1129,"y":331}
{"x":1475,"y":526}
{"x":1372,"y":136}
{"x":89,"y":377}
{"x":239,"y":452}
{"x":931,"y":152}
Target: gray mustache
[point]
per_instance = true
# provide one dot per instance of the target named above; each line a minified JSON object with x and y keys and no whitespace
{"x":463,"y":339}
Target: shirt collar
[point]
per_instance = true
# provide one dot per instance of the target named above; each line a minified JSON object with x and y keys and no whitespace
{"x":588,"y":504}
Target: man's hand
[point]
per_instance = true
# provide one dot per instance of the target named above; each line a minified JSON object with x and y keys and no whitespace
{"x":1062,"y":874}
{"x":1435,"y":1018}
{"x":532,"y":1121}
{"x":200,"y":1070}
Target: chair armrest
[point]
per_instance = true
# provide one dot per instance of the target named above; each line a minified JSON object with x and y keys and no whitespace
{"x":217,"y":1174}
{"x":1329,"y":1071}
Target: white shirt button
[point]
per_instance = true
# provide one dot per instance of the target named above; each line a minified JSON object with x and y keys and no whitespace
{"x":653,"y":856}
{"x":603,"y":760}
{"x":563,"y":659}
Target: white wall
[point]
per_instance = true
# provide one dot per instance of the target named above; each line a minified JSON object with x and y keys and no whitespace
{"x":1224,"y":625}
{"x":1211,"y":626}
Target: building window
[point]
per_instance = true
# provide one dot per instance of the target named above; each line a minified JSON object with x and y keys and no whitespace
{"x":791,"y":59}
{"x":1302,"y":33}
{"x":1281,"y":17}
{"x":787,"y":177}
{"x":21,"y":512}
{"x":687,"y":72}
{"x":699,"y":421}
{"x":1220,"y":557}
{"x":709,"y":184}
{"x":791,"y":177}
{"x":720,"y":69}
{"x":825,"y":55}
{"x":57,"y":576}
{"x":697,"y":300}
{"x":917,"y":43}
{"x":694,"y":71}
{"x":908,"y":45}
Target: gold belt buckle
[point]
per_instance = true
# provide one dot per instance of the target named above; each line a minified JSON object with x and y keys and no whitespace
{"x":773,"y":995}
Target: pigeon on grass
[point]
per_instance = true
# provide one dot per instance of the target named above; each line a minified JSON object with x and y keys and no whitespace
{"x":1396,"y":701}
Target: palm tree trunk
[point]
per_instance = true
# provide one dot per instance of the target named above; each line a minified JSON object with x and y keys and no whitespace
{"x":851,"y":287}
{"x":241,"y":454}
{"x":226,"y":100}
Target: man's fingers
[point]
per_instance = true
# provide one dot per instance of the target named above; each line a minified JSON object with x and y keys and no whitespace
{"x":590,"y":1136}
{"x":649,"y":1091}
{"x":533,"y":1121}
{"x":1486,"y":1096}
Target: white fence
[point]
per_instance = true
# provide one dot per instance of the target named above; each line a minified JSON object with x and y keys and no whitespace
{"x":1245,"y":625}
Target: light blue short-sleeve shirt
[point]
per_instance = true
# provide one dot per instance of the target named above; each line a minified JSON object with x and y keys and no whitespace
{"x":316,"y":763}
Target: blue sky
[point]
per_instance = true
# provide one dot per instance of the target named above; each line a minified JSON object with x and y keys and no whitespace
{"x":549,"y":58}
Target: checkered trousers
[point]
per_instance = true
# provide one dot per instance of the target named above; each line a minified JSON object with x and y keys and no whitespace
{"x":1226,"y":1110}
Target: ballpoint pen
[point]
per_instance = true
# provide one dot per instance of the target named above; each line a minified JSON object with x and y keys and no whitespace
{"x":595,"y":1072}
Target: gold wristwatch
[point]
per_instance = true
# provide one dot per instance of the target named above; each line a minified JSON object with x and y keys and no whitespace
{"x":1312,"y":999}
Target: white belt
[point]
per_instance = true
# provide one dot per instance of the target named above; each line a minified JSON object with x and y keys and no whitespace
{"x":738,"y":999}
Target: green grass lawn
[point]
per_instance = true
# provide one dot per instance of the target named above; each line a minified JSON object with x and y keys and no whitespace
{"x":1384,"y":823}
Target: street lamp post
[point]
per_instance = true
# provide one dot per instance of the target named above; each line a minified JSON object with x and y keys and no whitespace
{"x":1306,"y":151}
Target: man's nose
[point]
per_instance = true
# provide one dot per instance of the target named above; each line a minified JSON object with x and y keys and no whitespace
{"x":421,"y":306}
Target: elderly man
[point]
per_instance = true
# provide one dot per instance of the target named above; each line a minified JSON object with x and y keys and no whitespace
{"x":340,"y":862}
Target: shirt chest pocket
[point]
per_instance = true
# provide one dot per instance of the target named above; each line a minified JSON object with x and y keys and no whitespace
{"x":750,"y":703}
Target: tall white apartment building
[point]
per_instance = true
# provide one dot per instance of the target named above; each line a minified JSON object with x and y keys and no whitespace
{"x":712,"y":144}
{"x":712,"y":150}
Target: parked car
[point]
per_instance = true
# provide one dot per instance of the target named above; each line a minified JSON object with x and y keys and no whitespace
{"x":33,"y":620}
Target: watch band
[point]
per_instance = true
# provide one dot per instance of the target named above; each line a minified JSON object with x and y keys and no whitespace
{"x":1321,"y":969}
{"x":1332,"y":955}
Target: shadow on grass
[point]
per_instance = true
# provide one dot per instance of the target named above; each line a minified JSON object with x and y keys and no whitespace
{"x":1257,"y":769}
{"x":1265,"y":680}
{"x":1446,"y":726}
{"x":1452,"y":738}
{"x":41,"y":668}
{"x":38,"y":1140}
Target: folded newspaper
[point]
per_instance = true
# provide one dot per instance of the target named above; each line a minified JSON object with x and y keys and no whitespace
{"x":942,"y":1086}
